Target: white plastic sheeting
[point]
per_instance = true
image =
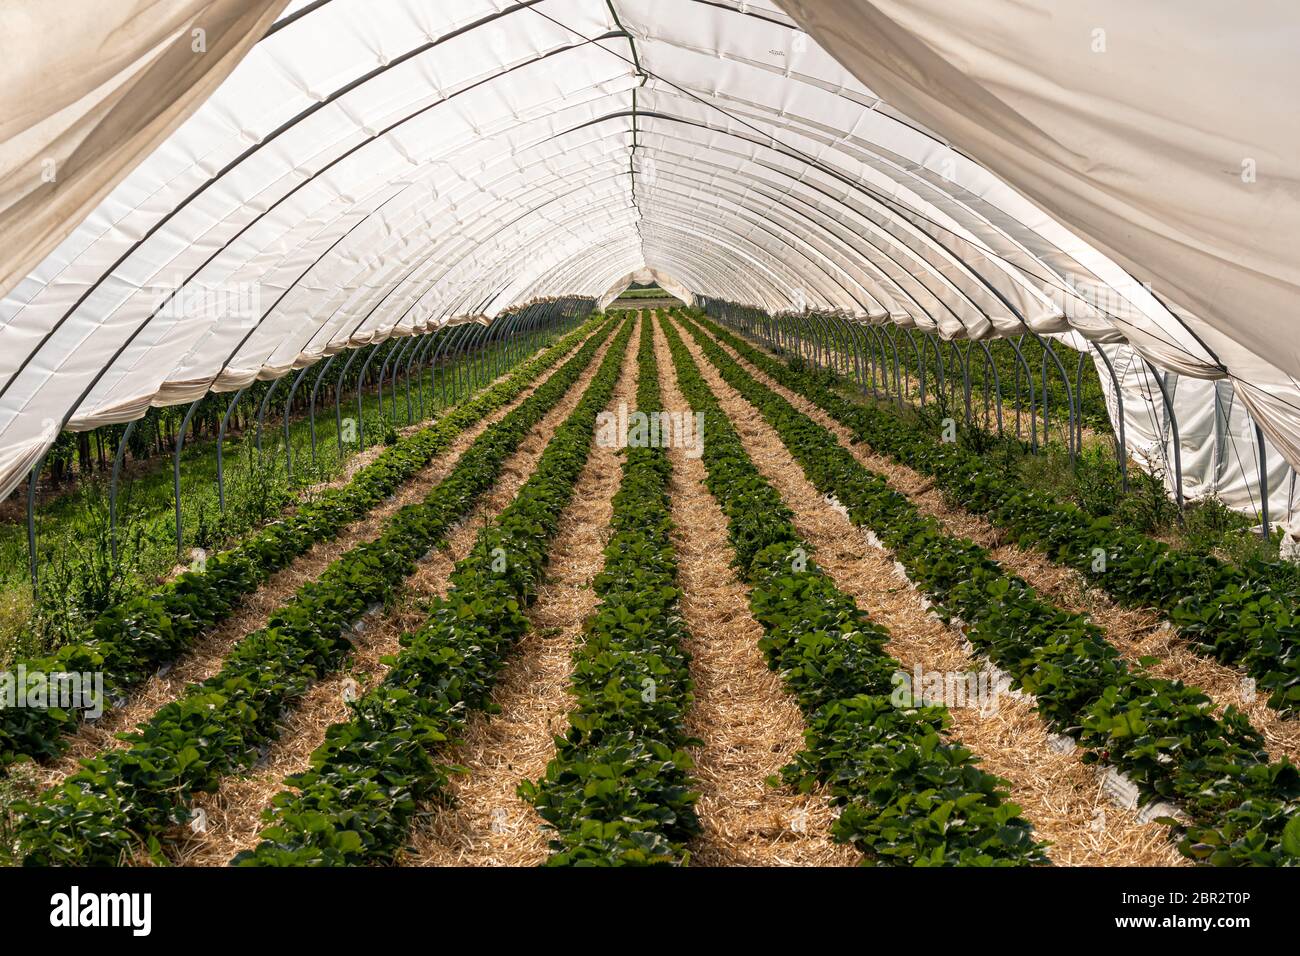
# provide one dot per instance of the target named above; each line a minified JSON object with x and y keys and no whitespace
{"x":88,"y":89}
{"x":1218,"y":450}
{"x":382,"y":167}
{"x":646,"y":277}
{"x":1162,"y":133}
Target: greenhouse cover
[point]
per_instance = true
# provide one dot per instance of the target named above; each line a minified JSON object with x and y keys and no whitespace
{"x":197,"y":194}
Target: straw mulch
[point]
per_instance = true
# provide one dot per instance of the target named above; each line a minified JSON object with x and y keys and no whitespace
{"x":486,"y":823}
{"x":234,"y":811}
{"x":1135,"y":632}
{"x":1060,"y":795}
{"x":749,"y":726}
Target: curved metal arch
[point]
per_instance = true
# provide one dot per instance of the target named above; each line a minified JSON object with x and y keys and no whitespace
{"x":830,"y":230}
{"x":310,"y":267}
{"x":289,"y":124}
{"x":859,"y":189}
{"x":256,"y":219}
{"x":796,"y":182}
{"x":836,"y":199}
{"x":311,"y":404}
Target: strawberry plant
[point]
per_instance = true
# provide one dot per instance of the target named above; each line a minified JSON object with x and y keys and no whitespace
{"x":355,"y":804}
{"x":618,"y":791}
{"x":127,"y":798}
{"x":130,"y":641}
{"x":907,"y":795}
{"x":1164,"y":735}
{"x":1245,"y":615}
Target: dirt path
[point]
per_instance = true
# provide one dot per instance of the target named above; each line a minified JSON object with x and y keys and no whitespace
{"x":1060,"y":795}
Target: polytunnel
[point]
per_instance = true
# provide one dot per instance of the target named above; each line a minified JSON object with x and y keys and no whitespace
{"x":201,"y":198}
{"x":379,"y":169}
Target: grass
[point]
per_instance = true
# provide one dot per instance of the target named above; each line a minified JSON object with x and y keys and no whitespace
{"x":651,"y":293}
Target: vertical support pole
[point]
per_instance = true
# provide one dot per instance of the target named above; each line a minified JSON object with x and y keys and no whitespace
{"x":288,"y":409}
{"x":920,"y":361}
{"x":407,"y":348}
{"x":416,"y":343}
{"x":1173,"y":425}
{"x":399,"y":352}
{"x":500,"y":325}
{"x":487,"y":350}
{"x":1263,"y":483}
{"x":338,"y":401}
{"x":470,"y":366}
{"x":1078,"y":391}
{"x":879,"y":380}
{"x":1121,"y":444}
{"x":443,"y":340}
{"x":429,"y":363}
{"x":478,"y":349}
{"x":453,"y":362}
{"x":416,"y":359}
{"x":964,"y":363}
{"x":361,"y":394}
{"x":116,"y":478}
{"x":1048,"y":351}
{"x":261,"y":412}
{"x":32,"y":478}
{"x":459,"y":360}
{"x":857,"y":356}
{"x":221,"y":441}
{"x":984,"y":381}
{"x":311,"y":403}
{"x":389,"y":348}
{"x":933,"y":339}
{"x":393,"y":351}
{"x":997,"y":385}
{"x":820,"y":340}
{"x":176,"y":469}
{"x":898,"y":382}
{"x":452,"y":342}
{"x":1029,"y":378}
{"x":510,"y":341}
{"x":843,"y":362}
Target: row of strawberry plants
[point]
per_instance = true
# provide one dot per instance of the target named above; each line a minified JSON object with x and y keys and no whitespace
{"x":128,"y":797}
{"x":355,"y":803}
{"x":908,"y":794}
{"x":619,"y":790}
{"x":1164,"y":735}
{"x":1240,"y":615}
{"x":133,"y":639}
